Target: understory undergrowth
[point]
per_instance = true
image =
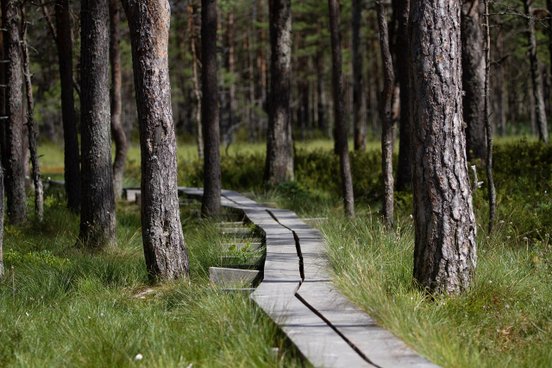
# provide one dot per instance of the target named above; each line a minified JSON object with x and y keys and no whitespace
{"x":505,"y":319}
{"x":62,"y":306}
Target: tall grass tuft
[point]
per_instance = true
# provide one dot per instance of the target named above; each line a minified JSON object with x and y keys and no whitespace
{"x":64,"y":306}
{"x":504,"y":320}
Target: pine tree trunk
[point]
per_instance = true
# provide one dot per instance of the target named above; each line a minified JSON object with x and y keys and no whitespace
{"x":117,"y":129}
{"x":15,"y":168}
{"x":97,"y":224}
{"x":1,"y":221}
{"x":69,"y":118}
{"x":279,"y":155}
{"x":342,"y":146}
{"x":196,"y":63}
{"x":536,"y":75}
{"x":445,"y":247}
{"x":404,"y":166}
{"x":32,"y":130}
{"x":359,"y":111}
{"x":386,"y":113}
{"x":163,"y":238}
{"x":210,"y":110}
{"x":473,"y":78}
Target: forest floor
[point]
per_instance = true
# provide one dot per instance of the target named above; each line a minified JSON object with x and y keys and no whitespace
{"x":62,"y":306}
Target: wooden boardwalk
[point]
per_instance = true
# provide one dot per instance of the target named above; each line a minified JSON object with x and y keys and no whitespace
{"x":296,"y":292}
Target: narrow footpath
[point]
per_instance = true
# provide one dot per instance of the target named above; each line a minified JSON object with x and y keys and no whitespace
{"x":297,"y":293}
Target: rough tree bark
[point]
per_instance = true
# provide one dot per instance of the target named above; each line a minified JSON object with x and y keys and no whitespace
{"x":473,"y":78}
{"x":404,"y":166}
{"x":210,"y":205}
{"x":117,"y":129}
{"x":97,"y":222}
{"x":279,"y":150}
{"x":491,"y":191}
{"x":32,"y":131}
{"x":163,"y":238}
{"x":342,"y":146}
{"x":549,"y":8}
{"x":536,"y":75}
{"x":71,"y":155}
{"x":359,"y":102}
{"x":15,"y":168}
{"x":445,"y":247}
{"x":386,"y":113}
{"x":196,"y":63}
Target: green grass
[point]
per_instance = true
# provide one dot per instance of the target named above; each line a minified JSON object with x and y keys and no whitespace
{"x":505,"y":319}
{"x":62,"y":306}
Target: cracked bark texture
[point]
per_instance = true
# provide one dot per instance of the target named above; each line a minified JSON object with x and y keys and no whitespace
{"x":473,"y":78}
{"x":15,"y":162}
{"x":210,"y":204}
{"x":404,"y":166}
{"x":341,"y":144}
{"x":97,"y":223}
{"x":445,"y":247}
{"x":117,"y":129}
{"x":71,"y":154}
{"x":386,"y":114}
{"x":279,"y":149}
{"x":163,"y":238}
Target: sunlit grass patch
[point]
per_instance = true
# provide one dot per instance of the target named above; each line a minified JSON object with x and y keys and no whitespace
{"x":504,"y":320}
{"x":65,"y":306}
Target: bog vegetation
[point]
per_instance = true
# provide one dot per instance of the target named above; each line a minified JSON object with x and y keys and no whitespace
{"x":258,"y":97}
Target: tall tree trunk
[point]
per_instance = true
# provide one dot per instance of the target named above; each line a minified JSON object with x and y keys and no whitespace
{"x":3,"y":100}
{"x":210,"y":109}
{"x":32,"y":130}
{"x":320,"y":90}
{"x":97,"y":223}
{"x":196,"y":64}
{"x":279,"y":151}
{"x":70,"y":137}
{"x":164,"y":246}
{"x":15,"y":169}
{"x":342,"y":146}
{"x":252,"y":114}
{"x":230,"y":108}
{"x":501,"y":85}
{"x":445,"y":247}
{"x":491,"y":191}
{"x":1,"y":220}
{"x":536,"y":75}
{"x":473,"y":78}
{"x":117,"y":129}
{"x":359,"y":110}
{"x":387,"y":132}
{"x":404,"y":167}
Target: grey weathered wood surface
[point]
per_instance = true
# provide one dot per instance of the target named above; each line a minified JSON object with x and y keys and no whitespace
{"x":296,"y":292}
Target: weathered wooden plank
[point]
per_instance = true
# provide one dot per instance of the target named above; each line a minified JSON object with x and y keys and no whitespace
{"x":379,"y":345}
{"x":232,"y":276}
{"x":317,"y":341}
{"x":130,"y":194}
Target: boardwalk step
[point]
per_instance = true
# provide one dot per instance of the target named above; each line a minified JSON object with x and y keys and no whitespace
{"x":228,"y":277}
